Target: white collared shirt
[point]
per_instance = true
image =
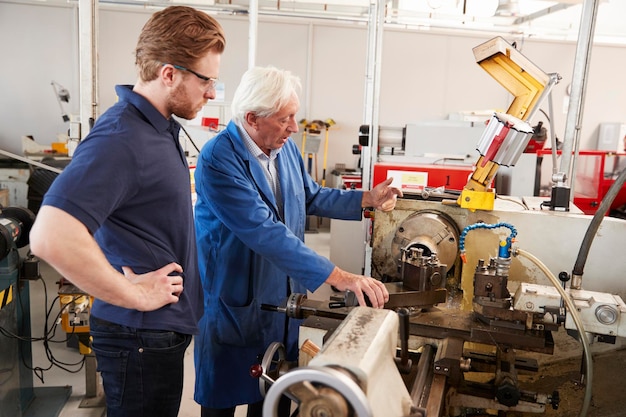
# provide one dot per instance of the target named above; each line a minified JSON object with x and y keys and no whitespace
{"x":269,"y":164}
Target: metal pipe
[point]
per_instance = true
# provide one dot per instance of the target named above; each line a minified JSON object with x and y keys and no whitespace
{"x":253,"y":20}
{"x":88,"y":46}
{"x":30,"y":161}
{"x":372,"y":87}
{"x":578,"y":87}
{"x":553,"y":140}
{"x":370,"y":111}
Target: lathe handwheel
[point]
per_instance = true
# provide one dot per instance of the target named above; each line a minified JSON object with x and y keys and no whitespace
{"x":322,"y":378}
{"x":271,"y":366}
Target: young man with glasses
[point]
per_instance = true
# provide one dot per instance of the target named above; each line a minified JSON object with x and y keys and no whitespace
{"x":118,"y":222}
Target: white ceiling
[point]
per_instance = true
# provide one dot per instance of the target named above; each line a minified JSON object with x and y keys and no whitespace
{"x":538,"y":19}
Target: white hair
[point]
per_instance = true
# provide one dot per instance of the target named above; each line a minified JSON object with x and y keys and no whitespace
{"x":264,"y":91}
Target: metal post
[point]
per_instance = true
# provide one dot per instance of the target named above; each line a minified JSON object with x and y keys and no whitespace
{"x":372,"y":87}
{"x":94,"y":391}
{"x":577,"y":92}
{"x":88,"y":46}
{"x":253,"y":14}
{"x":370,"y":115}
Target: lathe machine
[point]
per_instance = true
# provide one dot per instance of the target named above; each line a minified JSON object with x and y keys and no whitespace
{"x":468,"y":291}
{"x":473,"y":280}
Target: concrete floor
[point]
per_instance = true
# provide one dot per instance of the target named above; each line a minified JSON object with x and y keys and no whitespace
{"x":608,"y":385}
{"x":562,"y":372}
{"x":558,"y":372}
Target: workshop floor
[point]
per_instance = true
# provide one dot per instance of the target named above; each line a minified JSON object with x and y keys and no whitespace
{"x":57,"y":377}
{"x":607,"y":398}
{"x":563,"y":374}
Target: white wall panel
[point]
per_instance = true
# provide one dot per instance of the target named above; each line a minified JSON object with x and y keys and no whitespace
{"x":424,"y":75}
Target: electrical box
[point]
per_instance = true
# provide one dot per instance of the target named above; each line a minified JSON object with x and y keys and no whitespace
{"x":612,"y":137}
{"x":75,"y":313}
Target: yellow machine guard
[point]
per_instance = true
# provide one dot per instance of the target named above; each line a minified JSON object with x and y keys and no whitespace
{"x":523,"y":79}
{"x":526,"y":82}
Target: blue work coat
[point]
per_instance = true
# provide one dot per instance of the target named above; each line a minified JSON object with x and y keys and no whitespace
{"x":248,"y":256}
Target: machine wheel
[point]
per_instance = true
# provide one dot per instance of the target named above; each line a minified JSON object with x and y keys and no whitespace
{"x":25,"y":217}
{"x":319,"y":392}
{"x":272,"y":362}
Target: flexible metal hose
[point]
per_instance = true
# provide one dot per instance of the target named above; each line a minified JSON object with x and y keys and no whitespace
{"x":577,"y":320}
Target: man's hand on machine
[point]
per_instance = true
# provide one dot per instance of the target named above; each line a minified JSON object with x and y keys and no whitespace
{"x":382,"y":197}
{"x":359,"y":285}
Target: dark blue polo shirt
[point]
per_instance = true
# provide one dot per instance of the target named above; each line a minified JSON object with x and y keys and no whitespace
{"x":129,"y":183}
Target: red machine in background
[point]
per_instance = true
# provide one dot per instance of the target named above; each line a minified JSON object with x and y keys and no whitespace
{"x":450,"y":177}
{"x":596,"y":171}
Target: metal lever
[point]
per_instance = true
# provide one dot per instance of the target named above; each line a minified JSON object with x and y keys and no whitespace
{"x":404,"y":365}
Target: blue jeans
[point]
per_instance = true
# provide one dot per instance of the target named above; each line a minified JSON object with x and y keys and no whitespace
{"x":142,"y":370}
